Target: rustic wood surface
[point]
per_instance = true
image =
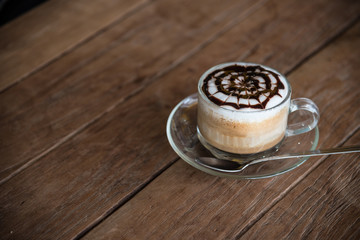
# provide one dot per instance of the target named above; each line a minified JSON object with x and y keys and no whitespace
{"x":85,"y":91}
{"x":189,"y":203}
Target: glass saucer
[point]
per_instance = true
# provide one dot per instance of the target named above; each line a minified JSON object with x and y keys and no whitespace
{"x":182,"y":135}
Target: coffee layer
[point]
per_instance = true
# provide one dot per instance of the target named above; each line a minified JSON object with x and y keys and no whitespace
{"x":242,"y":137}
{"x":245,"y":87}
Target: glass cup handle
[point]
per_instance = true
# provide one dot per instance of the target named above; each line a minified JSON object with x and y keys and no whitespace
{"x":303,"y":104}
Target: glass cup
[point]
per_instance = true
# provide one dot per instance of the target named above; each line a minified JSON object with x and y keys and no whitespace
{"x":233,"y":133}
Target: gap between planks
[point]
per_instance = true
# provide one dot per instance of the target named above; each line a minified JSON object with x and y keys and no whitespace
{"x":173,"y":65}
{"x":125,"y":200}
{"x":293,"y":185}
{"x":323,"y":46}
{"x":123,"y":17}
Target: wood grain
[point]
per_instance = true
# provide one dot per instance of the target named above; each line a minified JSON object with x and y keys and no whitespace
{"x":50,"y":30}
{"x":185,"y":202}
{"x":325,"y":205}
{"x":96,"y":171}
{"x":64,"y":98}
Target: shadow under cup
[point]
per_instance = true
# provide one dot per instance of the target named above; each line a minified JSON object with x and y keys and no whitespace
{"x":231,"y":133}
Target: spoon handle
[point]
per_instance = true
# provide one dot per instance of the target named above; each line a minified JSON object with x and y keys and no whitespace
{"x":310,"y":153}
{"x":237,"y":165}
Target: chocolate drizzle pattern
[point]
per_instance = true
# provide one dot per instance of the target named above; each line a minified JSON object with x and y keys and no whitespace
{"x":250,"y":86}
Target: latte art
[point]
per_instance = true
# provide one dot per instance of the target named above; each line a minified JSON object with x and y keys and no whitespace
{"x":244,"y":87}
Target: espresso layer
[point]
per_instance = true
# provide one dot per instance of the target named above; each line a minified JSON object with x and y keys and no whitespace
{"x":244,"y":87}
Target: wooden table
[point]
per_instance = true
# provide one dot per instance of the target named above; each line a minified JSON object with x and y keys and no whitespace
{"x":86,"y":90}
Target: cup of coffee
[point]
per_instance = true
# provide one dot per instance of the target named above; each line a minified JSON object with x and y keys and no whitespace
{"x":243,"y":109}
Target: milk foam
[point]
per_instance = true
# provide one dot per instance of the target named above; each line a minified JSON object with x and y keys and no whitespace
{"x":244,"y":87}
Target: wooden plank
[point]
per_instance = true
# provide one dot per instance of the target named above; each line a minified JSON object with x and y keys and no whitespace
{"x":184,"y":202}
{"x":325,"y":205}
{"x":81,"y":182}
{"x":50,"y":30}
{"x":59,"y":101}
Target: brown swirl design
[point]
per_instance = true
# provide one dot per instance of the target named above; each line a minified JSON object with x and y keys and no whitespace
{"x":243,"y":82}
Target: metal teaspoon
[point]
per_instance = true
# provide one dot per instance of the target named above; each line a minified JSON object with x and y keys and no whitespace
{"x":237,"y":165}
